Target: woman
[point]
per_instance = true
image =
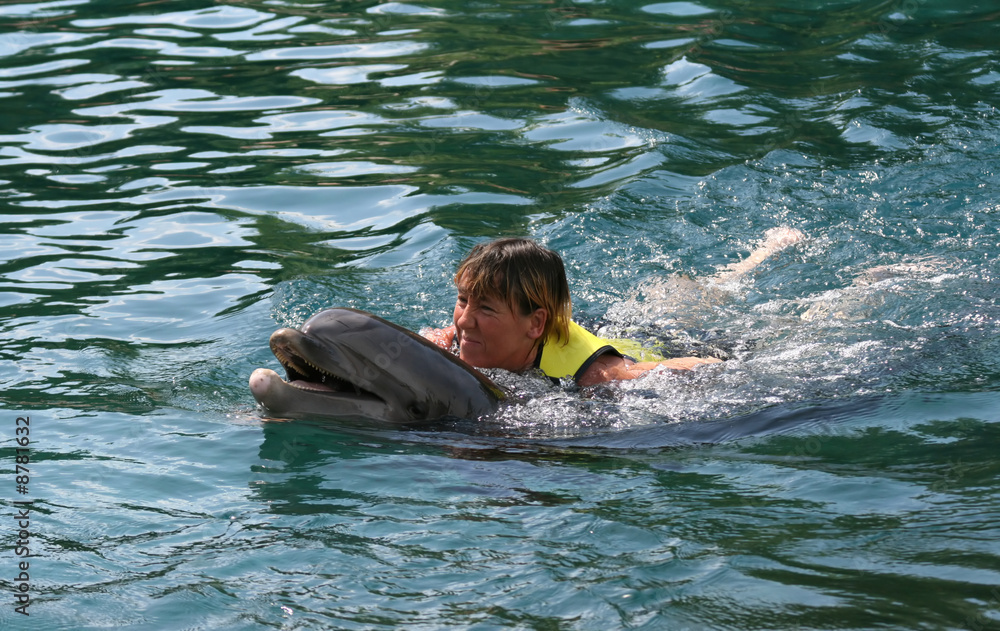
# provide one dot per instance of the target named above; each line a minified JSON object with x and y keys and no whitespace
{"x":513,"y":312}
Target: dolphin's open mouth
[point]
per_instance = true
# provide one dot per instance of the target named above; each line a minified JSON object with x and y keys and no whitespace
{"x":302,"y":374}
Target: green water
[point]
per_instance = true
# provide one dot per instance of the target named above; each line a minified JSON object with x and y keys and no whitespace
{"x":179,"y":179}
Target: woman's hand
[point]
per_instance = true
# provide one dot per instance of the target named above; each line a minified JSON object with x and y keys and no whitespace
{"x":442,"y":337}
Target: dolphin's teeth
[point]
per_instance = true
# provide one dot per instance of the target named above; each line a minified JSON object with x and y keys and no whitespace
{"x":305,"y":375}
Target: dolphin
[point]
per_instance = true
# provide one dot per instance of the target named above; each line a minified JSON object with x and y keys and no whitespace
{"x":349,"y":363}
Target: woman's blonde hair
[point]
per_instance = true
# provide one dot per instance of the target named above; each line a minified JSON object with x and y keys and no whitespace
{"x":525,"y":275}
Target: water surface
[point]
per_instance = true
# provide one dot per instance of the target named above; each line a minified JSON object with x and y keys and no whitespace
{"x":179,"y":179}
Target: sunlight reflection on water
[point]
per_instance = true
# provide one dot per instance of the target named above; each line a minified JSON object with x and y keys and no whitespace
{"x":179,"y":181}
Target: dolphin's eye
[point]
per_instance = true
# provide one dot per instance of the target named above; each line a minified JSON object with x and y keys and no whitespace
{"x":416,"y":409}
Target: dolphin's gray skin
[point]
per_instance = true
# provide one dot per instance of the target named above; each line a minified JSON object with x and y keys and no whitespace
{"x":349,"y":363}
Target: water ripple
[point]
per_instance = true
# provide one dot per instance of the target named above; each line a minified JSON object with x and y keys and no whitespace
{"x":314,"y":121}
{"x":223,"y":17}
{"x":196,"y":100}
{"x":180,"y":179}
{"x":341,"y":51}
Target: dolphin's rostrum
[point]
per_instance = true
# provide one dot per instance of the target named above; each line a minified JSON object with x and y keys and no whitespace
{"x":348,"y":363}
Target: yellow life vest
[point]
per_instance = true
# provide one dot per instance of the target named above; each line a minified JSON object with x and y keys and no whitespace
{"x":571,"y":359}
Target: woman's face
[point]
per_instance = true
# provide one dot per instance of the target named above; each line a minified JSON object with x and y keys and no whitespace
{"x":491,"y":334}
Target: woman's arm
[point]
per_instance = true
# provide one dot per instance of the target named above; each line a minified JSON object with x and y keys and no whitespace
{"x":612,"y":368}
{"x":442,"y":337}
